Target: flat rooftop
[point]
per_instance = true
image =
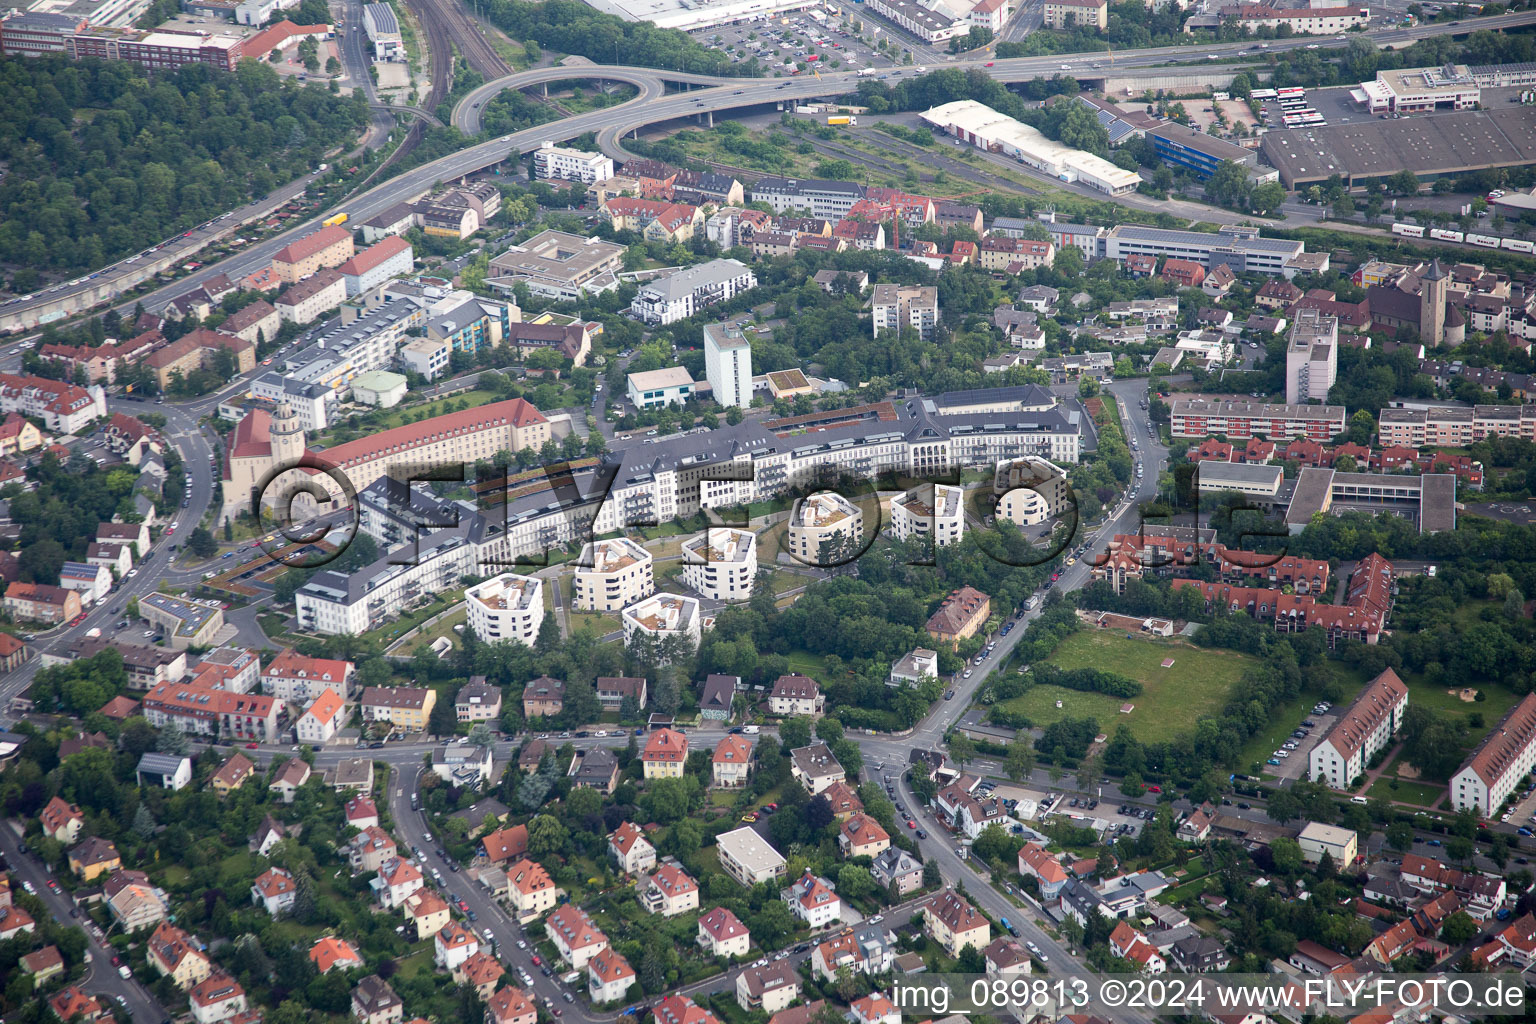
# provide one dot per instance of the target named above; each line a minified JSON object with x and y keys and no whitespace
{"x":823,"y":509}
{"x":1429,"y":144}
{"x":719,"y":544}
{"x":616,"y":554}
{"x":506,"y":591}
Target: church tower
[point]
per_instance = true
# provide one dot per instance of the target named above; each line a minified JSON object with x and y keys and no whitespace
{"x":287,"y":436}
{"x":1433,"y":287}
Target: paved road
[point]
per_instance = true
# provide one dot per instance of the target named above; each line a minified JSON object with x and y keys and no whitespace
{"x":195,"y":446}
{"x":101,"y":979}
{"x":611,"y":123}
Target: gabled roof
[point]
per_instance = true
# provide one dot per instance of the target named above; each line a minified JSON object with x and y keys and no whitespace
{"x":330,"y":951}
{"x":626,"y":836}
{"x":720,"y":924}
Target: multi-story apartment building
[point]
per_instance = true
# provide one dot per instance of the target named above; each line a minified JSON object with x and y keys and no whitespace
{"x":1200,"y":417}
{"x":824,"y":527}
{"x":1311,"y":357}
{"x":1360,"y":732}
{"x":728,"y":365}
{"x":747,"y":857}
{"x":631,"y":850}
{"x":1065,"y":14}
{"x":820,"y":198}
{"x":721,"y":933}
{"x":685,"y":292}
{"x":680,"y":476}
{"x":609,"y":977}
{"x":197,"y":351}
{"x":896,"y":306}
{"x":313,"y":297}
{"x":669,"y":892}
{"x":665,"y":754}
{"x":39,"y":602}
{"x":204,"y":711}
{"x":959,"y":616}
{"x":813,"y":901}
{"x":1241,"y":248}
{"x":64,"y":408}
{"x":954,"y":923}
{"x":384,"y":260}
{"x":406,"y":707}
{"x":1000,"y":252}
{"x":321,"y":721}
{"x":1499,"y":764}
{"x":531,"y":889}
{"x":328,"y":247}
{"x":552,"y":161}
{"x":796,"y":696}
{"x":558,"y":265}
{"x":296,"y":679}
{"x":661,"y":616}
{"x":574,"y":935}
{"x":612,"y":574}
{"x":1311,"y":21}
{"x":506,"y":607}
{"x":1455,"y":426}
{"x":935,"y":511}
{"x":721,"y":563}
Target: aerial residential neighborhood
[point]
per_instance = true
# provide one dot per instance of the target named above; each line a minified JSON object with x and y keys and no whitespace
{"x":727,"y":513}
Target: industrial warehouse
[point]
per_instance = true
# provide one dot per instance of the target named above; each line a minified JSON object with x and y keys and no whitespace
{"x":1367,"y":152}
{"x":985,"y":128}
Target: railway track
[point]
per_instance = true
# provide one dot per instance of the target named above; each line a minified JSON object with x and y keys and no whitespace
{"x":449,"y":28}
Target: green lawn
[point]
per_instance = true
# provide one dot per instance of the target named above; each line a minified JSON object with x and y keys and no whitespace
{"x":382,"y":420}
{"x":599,"y":623}
{"x":1497,"y":700}
{"x":1285,"y":718}
{"x":808,"y":664}
{"x":1421,"y":793}
{"x":1197,"y":684}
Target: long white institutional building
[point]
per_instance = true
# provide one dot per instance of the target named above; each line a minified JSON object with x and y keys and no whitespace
{"x":678,"y":476}
{"x":1366,"y":727}
{"x":1501,"y":762}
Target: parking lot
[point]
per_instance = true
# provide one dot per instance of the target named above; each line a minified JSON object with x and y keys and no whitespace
{"x":1294,"y":766}
{"x":798,"y":39}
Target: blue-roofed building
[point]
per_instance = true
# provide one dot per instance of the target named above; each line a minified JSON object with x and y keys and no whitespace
{"x":1197,"y":151}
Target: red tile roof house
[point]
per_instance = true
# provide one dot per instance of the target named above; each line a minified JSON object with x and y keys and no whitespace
{"x":39,"y":602}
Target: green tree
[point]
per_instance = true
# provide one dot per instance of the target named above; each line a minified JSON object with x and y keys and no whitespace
{"x":202,"y":544}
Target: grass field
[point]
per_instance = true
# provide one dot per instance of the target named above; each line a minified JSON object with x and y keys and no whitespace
{"x":1422,"y":794}
{"x":1197,"y":684}
{"x":1288,"y":716}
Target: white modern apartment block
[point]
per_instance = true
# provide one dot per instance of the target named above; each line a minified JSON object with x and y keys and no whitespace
{"x":824,"y":517}
{"x":507,"y":607}
{"x":747,"y":857}
{"x":721,"y":563}
{"x":728,"y":365}
{"x":613,"y":574}
{"x":685,"y":292}
{"x":1311,"y":357}
{"x":663,"y":615}
{"x":552,"y":161}
{"x":676,"y":476}
{"x":1366,"y":727}
{"x":895,"y":306}
{"x":1455,"y":426}
{"x":930,"y":510}
{"x":1029,"y":490}
{"x":1500,"y":763}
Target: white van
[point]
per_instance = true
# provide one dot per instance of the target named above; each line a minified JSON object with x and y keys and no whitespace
{"x":1357,"y":800}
